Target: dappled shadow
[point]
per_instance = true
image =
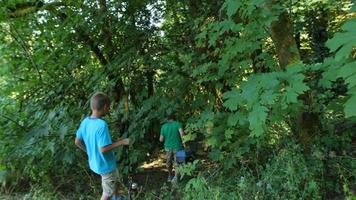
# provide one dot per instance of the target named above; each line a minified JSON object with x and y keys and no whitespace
{"x":152,"y":175}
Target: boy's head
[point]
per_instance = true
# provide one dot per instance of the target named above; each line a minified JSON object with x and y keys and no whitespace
{"x":100,"y":102}
{"x":171,"y":116}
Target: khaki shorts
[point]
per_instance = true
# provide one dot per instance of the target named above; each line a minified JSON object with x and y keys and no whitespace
{"x":171,"y":159}
{"x":109,"y":182}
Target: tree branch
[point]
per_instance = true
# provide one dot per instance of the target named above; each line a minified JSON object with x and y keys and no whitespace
{"x":23,"y":9}
{"x":24,"y":47}
{"x":107,"y":35}
{"x":26,"y":8}
{"x":15,"y":122}
{"x":91,"y":43}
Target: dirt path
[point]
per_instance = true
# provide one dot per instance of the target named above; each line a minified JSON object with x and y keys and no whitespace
{"x":152,"y":175}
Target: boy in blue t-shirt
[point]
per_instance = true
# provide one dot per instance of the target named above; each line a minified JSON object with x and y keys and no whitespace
{"x":94,"y":138}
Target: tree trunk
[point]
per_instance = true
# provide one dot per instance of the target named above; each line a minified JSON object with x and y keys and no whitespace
{"x":282,"y":36}
{"x":306,"y":123}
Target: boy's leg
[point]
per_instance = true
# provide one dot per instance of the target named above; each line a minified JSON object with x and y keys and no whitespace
{"x":169,"y":162}
{"x":109,"y":184}
{"x":175,"y":165}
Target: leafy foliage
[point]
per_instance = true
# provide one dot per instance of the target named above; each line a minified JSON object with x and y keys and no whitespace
{"x":272,"y":130}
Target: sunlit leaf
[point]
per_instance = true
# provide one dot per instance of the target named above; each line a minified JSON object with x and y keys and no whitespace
{"x":257,"y":118}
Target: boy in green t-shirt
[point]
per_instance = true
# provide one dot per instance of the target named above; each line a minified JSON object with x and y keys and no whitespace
{"x":172,"y":135}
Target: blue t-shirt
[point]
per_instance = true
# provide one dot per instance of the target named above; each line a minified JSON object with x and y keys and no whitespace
{"x":94,"y":132}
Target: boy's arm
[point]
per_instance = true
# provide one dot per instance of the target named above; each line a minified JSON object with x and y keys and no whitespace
{"x":114,"y":145}
{"x":161,"y":135}
{"x":181,"y":133}
{"x":161,"y":138}
{"x":78,"y":142}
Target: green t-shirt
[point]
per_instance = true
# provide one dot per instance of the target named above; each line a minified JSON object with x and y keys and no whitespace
{"x":172,"y":139}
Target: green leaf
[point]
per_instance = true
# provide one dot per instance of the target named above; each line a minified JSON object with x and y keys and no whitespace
{"x":268,"y":97}
{"x":189,"y":137}
{"x":201,"y":69}
{"x":250,"y":90}
{"x":213,"y":38}
{"x":227,"y":25}
{"x":350,"y":107}
{"x":233,"y":99}
{"x":63,"y":131}
{"x":346,"y":40}
{"x":201,"y":35}
{"x":236,"y":118}
{"x":350,"y":25}
{"x":51,"y":115}
{"x":347,"y":70}
{"x":329,"y":76}
{"x":3,"y":13}
{"x":50,"y":146}
{"x":295,"y":88}
{"x":68,"y":157}
{"x":213,"y":141}
{"x":230,"y":162}
{"x":224,"y":64}
{"x":3,"y":174}
{"x":258,"y":2}
{"x":296,"y":84}
{"x":269,"y":81}
{"x":290,"y":96}
{"x":351,"y":81}
{"x":312,"y":185}
{"x":232,"y":6}
{"x":257,"y":118}
{"x":346,"y":50}
{"x":215,"y":155}
{"x":229,"y":133}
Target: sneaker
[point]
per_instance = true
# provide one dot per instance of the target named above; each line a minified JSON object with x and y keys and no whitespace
{"x":170,"y":178}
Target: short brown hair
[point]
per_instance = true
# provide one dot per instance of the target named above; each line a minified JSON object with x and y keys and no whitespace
{"x":171,"y":116}
{"x":99,"y":100}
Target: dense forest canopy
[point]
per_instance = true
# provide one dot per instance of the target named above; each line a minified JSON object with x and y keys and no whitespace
{"x":266,"y":87}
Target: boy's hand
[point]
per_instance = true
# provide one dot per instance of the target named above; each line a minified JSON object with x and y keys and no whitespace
{"x":125,"y":141}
